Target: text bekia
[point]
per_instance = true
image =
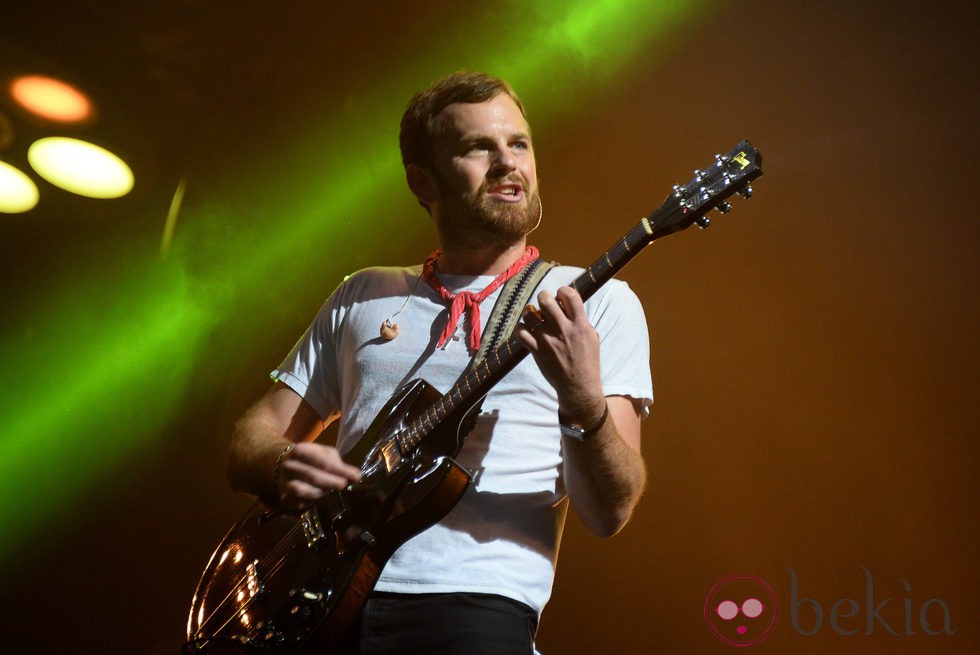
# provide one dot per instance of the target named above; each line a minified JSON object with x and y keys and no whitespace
{"x":845,"y":615}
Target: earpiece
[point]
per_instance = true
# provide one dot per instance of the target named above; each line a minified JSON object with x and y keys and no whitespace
{"x":540,"y":214}
{"x":389,"y":330}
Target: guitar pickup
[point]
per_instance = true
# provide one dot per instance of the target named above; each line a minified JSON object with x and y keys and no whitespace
{"x":313,"y":529}
{"x":392,"y":455}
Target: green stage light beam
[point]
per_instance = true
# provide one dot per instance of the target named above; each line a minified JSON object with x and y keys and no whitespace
{"x":97,"y":382}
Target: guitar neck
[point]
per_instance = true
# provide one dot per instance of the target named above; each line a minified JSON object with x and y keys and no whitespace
{"x":615,"y":259}
{"x":686,"y":206}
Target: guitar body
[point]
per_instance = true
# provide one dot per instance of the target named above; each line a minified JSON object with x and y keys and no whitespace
{"x":296,"y":584}
{"x":285,"y":584}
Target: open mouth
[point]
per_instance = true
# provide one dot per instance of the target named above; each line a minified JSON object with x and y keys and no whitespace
{"x":509,"y":191}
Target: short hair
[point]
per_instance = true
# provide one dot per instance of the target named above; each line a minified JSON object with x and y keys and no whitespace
{"x":420,"y":126}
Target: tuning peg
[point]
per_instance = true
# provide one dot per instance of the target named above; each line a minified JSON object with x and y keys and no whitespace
{"x":698,"y":175}
{"x":747,"y":192}
{"x":678,"y":191}
{"x":724,"y":207}
{"x":702,"y":222}
{"x":719,"y":160}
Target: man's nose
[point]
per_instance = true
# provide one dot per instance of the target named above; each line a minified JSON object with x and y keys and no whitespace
{"x":503,"y":159}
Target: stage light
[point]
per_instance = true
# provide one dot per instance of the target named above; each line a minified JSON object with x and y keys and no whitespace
{"x":18,"y":193}
{"x":80,"y":167}
{"x":51,"y":99}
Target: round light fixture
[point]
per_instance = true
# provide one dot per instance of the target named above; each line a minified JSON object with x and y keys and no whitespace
{"x":51,"y":98}
{"x":80,"y":167}
{"x":18,"y":193}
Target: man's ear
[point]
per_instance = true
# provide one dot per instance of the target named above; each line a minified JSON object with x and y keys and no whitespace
{"x":422,"y":183}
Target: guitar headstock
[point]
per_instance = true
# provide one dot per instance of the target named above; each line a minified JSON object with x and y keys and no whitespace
{"x":709,"y":189}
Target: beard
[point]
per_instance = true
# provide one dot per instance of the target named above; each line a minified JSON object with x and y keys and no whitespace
{"x":478,"y":221}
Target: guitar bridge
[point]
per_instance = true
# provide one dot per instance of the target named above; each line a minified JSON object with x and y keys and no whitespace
{"x":253,"y":582}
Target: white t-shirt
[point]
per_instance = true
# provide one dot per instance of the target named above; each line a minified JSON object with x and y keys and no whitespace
{"x":502,"y":537}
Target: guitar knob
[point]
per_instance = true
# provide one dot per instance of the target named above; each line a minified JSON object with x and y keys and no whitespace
{"x":724,"y":207}
{"x":309,"y":604}
{"x":702,"y":222}
{"x":747,"y":192}
{"x":271,"y":635}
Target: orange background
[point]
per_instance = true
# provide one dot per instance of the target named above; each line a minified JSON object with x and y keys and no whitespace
{"x":814,"y":354}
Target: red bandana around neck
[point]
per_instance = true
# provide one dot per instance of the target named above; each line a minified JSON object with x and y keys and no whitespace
{"x":469,"y":300}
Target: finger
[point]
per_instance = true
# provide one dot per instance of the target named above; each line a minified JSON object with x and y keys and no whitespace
{"x":343,"y":469}
{"x":323,"y":458}
{"x":550,"y":308}
{"x":316,"y":477}
{"x":320,"y":466}
{"x":297,"y":493}
{"x":527,"y":337}
{"x":571,"y":303}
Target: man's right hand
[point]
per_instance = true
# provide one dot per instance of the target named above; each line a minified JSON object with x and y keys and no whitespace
{"x":274,"y":454}
{"x":308,"y":472}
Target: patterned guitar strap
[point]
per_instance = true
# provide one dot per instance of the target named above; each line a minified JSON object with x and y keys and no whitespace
{"x":503,"y":319}
{"x":507,"y":310}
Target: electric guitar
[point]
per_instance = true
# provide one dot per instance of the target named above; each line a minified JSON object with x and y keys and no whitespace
{"x":295,"y":584}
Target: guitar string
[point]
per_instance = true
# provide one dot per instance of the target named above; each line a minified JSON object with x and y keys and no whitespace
{"x":242,"y":583}
{"x":270,"y":564}
{"x":286,"y":545}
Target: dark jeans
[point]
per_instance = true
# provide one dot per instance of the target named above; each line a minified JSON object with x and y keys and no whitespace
{"x":443,"y":624}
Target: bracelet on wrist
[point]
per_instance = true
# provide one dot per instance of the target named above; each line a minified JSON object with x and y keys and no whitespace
{"x":581,"y":434}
